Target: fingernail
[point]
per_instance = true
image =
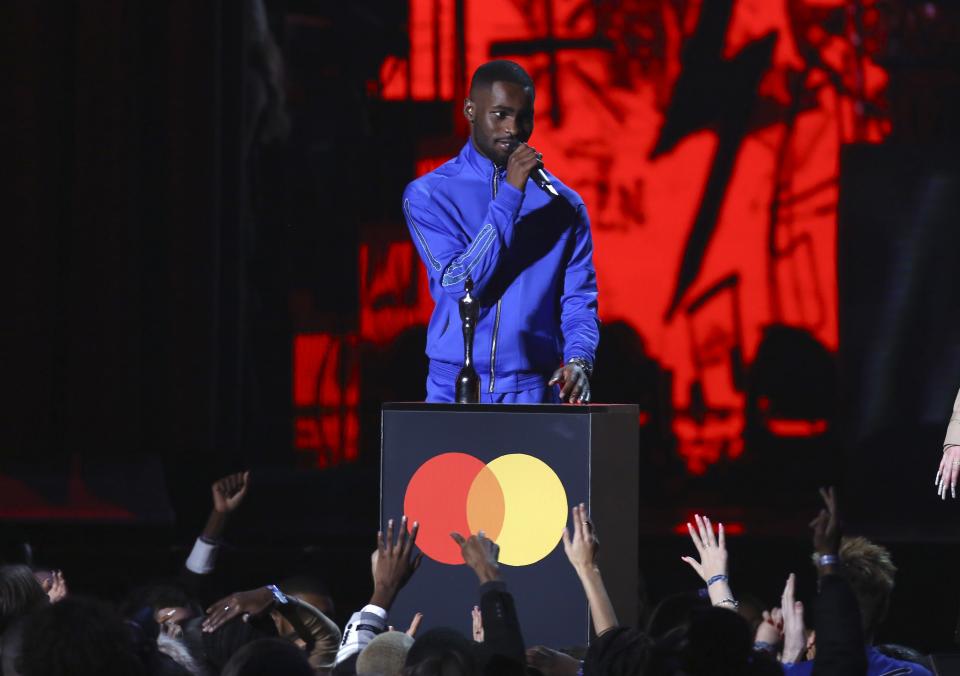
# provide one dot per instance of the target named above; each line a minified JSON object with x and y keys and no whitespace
{"x":416,"y":524}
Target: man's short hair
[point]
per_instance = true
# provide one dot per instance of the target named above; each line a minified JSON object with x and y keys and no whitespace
{"x":869,"y":569}
{"x":501,"y":70}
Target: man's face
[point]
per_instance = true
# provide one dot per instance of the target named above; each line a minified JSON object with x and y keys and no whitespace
{"x":501,"y":117}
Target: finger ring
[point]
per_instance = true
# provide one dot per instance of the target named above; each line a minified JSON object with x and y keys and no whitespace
{"x":956,"y":463}
{"x":226,"y":607}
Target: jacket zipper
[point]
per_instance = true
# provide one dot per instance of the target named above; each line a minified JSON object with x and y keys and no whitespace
{"x":496,"y":321}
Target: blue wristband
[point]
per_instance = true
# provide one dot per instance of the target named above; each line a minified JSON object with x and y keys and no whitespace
{"x":716,"y":578}
{"x":278,"y":595}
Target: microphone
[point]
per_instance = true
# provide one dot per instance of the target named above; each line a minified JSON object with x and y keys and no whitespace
{"x":540,"y":177}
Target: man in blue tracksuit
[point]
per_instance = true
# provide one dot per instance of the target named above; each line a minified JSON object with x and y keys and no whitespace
{"x":528,"y":254}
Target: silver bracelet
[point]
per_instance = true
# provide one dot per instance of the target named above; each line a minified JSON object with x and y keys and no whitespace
{"x":827,"y":560}
{"x":583,"y":363}
{"x":732,"y":602}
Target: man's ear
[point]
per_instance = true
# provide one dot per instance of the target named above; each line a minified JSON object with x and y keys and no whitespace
{"x":469,"y":110}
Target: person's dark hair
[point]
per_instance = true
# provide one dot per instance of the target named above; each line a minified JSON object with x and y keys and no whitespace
{"x":80,"y":637}
{"x":441,"y":652}
{"x":620,"y":651}
{"x":20,"y":593}
{"x":160,"y":595}
{"x":719,"y":643}
{"x":215,"y":649}
{"x":674,"y":611}
{"x":299,"y":585}
{"x":501,"y":70}
{"x":869,"y":569}
{"x":268,"y":657}
{"x":905,"y":654}
{"x":304,"y":584}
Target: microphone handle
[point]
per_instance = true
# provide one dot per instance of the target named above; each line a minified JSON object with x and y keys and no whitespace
{"x":541,"y":179}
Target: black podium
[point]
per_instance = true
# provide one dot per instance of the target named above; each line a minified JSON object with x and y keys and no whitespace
{"x":513,"y":471}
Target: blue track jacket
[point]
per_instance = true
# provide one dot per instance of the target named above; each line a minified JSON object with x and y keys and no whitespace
{"x":531,"y":260}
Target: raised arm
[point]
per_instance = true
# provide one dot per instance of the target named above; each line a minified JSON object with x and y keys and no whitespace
{"x":392,"y":564}
{"x":502,"y":649}
{"x":582,"y":548}
{"x":712,"y":566}
{"x":227,"y":495}
{"x":840,"y":642}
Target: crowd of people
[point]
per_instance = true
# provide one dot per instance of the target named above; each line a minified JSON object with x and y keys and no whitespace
{"x":284,"y":628}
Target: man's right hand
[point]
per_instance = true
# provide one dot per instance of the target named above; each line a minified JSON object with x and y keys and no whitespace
{"x":522,"y":161}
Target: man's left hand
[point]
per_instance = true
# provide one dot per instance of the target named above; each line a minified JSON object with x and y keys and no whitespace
{"x":574,"y":384}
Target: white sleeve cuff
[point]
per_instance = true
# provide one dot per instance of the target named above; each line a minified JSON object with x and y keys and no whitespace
{"x":376,"y":610}
{"x":202,"y":557}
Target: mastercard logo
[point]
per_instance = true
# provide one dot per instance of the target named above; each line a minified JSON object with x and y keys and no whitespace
{"x":516,"y":500}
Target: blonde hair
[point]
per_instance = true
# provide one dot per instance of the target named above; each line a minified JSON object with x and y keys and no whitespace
{"x":869,"y":569}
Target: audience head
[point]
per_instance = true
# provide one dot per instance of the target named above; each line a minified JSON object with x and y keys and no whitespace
{"x":170,"y":603}
{"x":20,"y":593}
{"x":719,"y":642}
{"x":869,"y":569}
{"x":385,"y":655}
{"x":441,"y":652}
{"x":214,"y":649}
{"x":310,"y":589}
{"x":268,"y":657}
{"x":674,"y":611}
{"x":79,"y":637}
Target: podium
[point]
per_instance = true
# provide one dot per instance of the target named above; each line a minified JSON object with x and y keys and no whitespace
{"x":513,"y":471}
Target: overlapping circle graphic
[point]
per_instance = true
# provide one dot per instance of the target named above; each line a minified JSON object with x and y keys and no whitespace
{"x":517,"y":500}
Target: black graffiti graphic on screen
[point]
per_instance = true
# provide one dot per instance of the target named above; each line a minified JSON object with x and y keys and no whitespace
{"x":716,"y":94}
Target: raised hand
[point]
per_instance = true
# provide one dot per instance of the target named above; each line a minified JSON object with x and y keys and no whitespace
{"x":794,"y":633}
{"x":711,"y":548}
{"x":770,"y":629}
{"x":414,"y":625}
{"x":826,"y":525}
{"x":229,"y":491}
{"x":574,"y":383}
{"x":55,"y":586}
{"x":582,"y":547}
{"x":476,"y":618}
{"x":394,"y":562}
{"x":481,"y":554}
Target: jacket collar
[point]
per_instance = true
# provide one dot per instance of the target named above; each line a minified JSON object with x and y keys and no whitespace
{"x":480,"y":164}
